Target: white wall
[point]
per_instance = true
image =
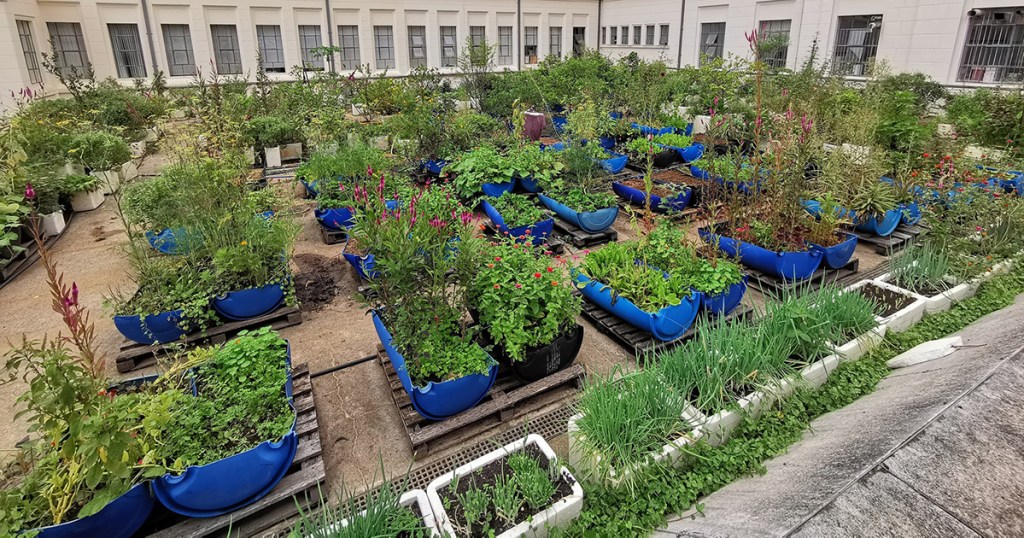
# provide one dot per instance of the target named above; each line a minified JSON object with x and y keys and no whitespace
{"x":631,"y":13}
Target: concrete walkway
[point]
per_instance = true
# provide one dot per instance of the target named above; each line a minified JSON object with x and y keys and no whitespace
{"x":937,"y":450}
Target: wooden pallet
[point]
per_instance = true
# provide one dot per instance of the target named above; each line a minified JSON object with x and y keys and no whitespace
{"x":580,"y":238}
{"x":278,"y":510}
{"x":508,"y":399}
{"x":553,"y":243}
{"x":903,"y":237}
{"x":134,"y":355}
{"x":773,"y":285}
{"x":332,"y":237}
{"x":24,"y":259}
{"x":638,"y":341}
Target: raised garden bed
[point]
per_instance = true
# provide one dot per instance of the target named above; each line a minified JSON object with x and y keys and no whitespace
{"x":896,"y":309}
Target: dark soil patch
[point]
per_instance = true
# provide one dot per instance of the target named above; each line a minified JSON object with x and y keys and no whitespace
{"x":887,"y":302}
{"x":662,"y":191}
{"x":100,"y":233}
{"x":673,"y":176}
{"x":924,"y":289}
{"x":484,"y":479}
{"x":316,"y":283}
{"x":547,"y":140}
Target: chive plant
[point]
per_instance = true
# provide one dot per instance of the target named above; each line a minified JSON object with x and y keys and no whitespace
{"x":384,"y":516}
{"x":846,"y":314}
{"x":922,"y":269}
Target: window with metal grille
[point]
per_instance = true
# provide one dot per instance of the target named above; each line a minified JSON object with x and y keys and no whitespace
{"x":449,"y":46}
{"x":28,"y":48}
{"x":348,"y":42}
{"x":530,"y":44}
{"x":711,"y":36}
{"x":504,"y":45}
{"x":124,"y":40}
{"x":226,"y":54}
{"x":604,"y":35}
{"x":417,"y":46}
{"x":663,"y":35}
{"x":579,"y":40}
{"x":636,"y":35}
{"x":477,"y":35}
{"x":856,"y":44}
{"x":615,"y":35}
{"x":271,"y":47}
{"x":994,"y":48}
{"x":178,"y":42}
{"x":775,"y":37}
{"x":555,"y":44}
{"x":625,"y":35}
{"x":384,"y":47}
{"x":649,"y":36}
{"x":68,"y":45}
{"x":310,"y":40}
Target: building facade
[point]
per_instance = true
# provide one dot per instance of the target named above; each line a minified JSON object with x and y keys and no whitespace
{"x":957,"y":42}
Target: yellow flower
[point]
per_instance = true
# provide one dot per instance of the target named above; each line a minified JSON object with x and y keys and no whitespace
{"x":244,"y":243}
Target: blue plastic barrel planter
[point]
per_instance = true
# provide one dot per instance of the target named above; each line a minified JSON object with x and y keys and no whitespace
{"x":234,"y":482}
{"x":155,"y":328}
{"x":364,"y":265}
{"x":559,"y":123}
{"x":437,"y":401}
{"x":528,"y":184}
{"x":495,"y":190}
{"x":647,"y":130}
{"x":539,"y":231}
{"x":615,"y":115}
{"x":557,"y":146}
{"x":883,"y":227}
{"x":249,"y":303}
{"x":785,"y":265}
{"x":589,"y":221}
{"x":666,"y":324}
{"x":614,"y":163}
{"x":121,"y":518}
{"x":167,"y":240}
{"x":691,"y":153}
{"x":837,"y":256}
{"x":434,"y":166}
{"x":335,"y":219}
{"x":911,"y":213}
{"x":607,"y":142}
{"x":689,"y":129}
{"x":662,"y":205}
{"x":727,"y":301}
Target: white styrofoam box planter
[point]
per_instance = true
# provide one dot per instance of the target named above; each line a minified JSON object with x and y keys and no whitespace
{"x":976,"y":152}
{"x":358,"y":110}
{"x":905,"y":317}
{"x":816,"y":374}
{"x":177,"y":114}
{"x":559,"y":514}
{"x":945,"y":130}
{"x":861,"y":345}
{"x":152,"y":134}
{"x":944,"y":300}
{"x":272,"y":157}
{"x":671,"y":453}
{"x":250,"y":155}
{"x":71,"y":169}
{"x":87,"y":200}
{"x":53,"y":223}
{"x":291,"y":152}
{"x":416,"y":497}
{"x":701,"y":124}
{"x":129,"y":170}
{"x":380,"y":142}
{"x":138,"y":148}
{"x":109,"y":180}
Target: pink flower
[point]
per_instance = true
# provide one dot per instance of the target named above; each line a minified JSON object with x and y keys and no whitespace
{"x":30,"y":193}
{"x":519,"y":286}
{"x":74,"y":293}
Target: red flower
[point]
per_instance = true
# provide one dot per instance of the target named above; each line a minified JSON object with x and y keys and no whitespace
{"x":490,"y":266}
{"x":528,"y":231}
{"x":519,"y":286}
{"x":536,"y":275}
{"x":497,"y":286}
{"x":551,"y":269}
{"x":497,"y":258}
{"x":926,"y":155}
{"x":554,"y":282}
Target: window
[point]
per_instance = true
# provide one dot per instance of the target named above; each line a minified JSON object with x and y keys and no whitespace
{"x":625,"y":35}
{"x":615,"y":34}
{"x":28,"y":48}
{"x":310,"y":40}
{"x":711,"y":36}
{"x":663,"y":36}
{"x":504,"y":45}
{"x":579,"y":40}
{"x":225,"y":49}
{"x":68,"y":47}
{"x":271,"y":47}
{"x":530,"y":45}
{"x":124,"y":39}
{"x":178,"y":42}
{"x":649,"y":37}
{"x":417,"y":46}
{"x":636,"y":35}
{"x":348,"y":42}
{"x":555,"y":45}
{"x":775,"y":42}
{"x":994,"y":48}
{"x":604,"y":35}
{"x":477,"y":35}
{"x":449,"y":46}
{"x":384,"y":46}
{"x":856,"y":44}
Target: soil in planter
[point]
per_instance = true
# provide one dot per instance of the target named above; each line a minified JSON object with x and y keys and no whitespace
{"x":484,"y":479}
{"x":926,"y":290}
{"x":657,"y":190}
{"x":672,"y":175}
{"x":887,"y":302}
{"x":316,"y":283}
{"x":547,"y":140}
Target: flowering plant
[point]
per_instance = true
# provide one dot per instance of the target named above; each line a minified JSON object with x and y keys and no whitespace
{"x":525,"y":299}
{"x":649,"y":288}
{"x":517,"y":210}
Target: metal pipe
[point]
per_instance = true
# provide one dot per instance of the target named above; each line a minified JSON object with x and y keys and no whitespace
{"x":330,"y":35}
{"x":679,"y":48}
{"x":519,"y":32}
{"x":149,"y":36}
{"x":600,"y":8}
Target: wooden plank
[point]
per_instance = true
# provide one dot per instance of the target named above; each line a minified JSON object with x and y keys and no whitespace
{"x":772,"y":284}
{"x":580,"y":238}
{"x":332,"y":237}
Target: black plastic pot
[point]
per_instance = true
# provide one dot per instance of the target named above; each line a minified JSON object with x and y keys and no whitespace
{"x":543,"y":361}
{"x":662,"y":159}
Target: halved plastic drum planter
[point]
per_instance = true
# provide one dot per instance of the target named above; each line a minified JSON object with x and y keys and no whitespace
{"x":838,"y":256}
{"x":559,"y":123}
{"x":249,"y":303}
{"x":528,"y":184}
{"x":538,"y":232}
{"x":883,"y":227}
{"x":121,"y":518}
{"x":727,"y":301}
{"x":335,"y":219}
{"x":588,"y":221}
{"x":311,"y":187}
{"x":638,"y":197}
{"x":234,"y":482}
{"x":614,"y":163}
{"x":911,"y":213}
{"x":785,"y":265}
{"x":155,"y":328}
{"x":434,"y":167}
{"x":647,"y":130}
{"x":666,"y":325}
{"x":169,"y":240}
{"x":364,"y":265}
{"x":691,"y":153}
{"x":437,"y":401}
{"x":495,"y":190}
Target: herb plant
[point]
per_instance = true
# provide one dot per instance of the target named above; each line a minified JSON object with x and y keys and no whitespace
{"x":479,"y":166}
{"x":517,"y":210}
{"x":615,"y":267}
{"x":674,"y":140}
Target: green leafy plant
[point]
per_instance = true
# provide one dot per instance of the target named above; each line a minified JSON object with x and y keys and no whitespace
{"x":533,"y":482}
{"x":615,"y":267}
{"x":667,"y":248}
{"x":99,"y":150}
{"x":583,"y":201}
{"x":543,"y":167}
{"x":78,"y":183}
{"x":383,"y":516}
{"x":674,"y":140}
{"x":923,"y":269}
{"x":271,"y":132}
{"x":517,"y":210}
{"x":481,"y":165}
